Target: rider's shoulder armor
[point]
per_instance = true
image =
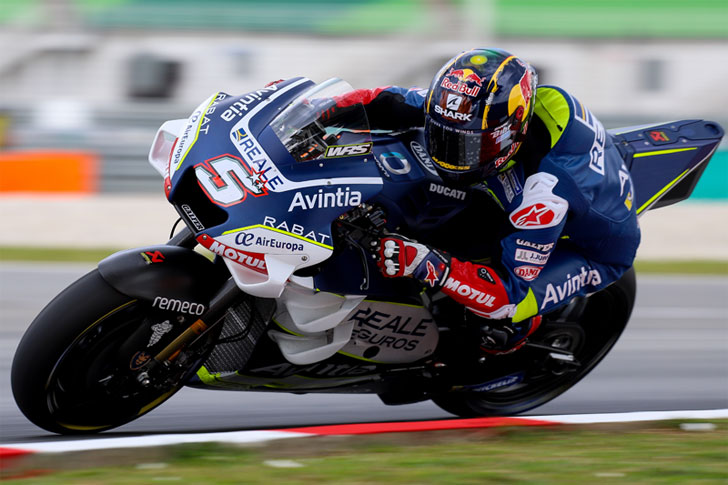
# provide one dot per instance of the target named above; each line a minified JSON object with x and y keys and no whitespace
{"x":571,"y":125}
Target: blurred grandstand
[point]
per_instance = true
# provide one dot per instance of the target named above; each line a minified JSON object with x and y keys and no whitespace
{"x":97,"y":77}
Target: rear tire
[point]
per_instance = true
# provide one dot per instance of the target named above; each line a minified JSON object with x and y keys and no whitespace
{"x":73,"y":370}
{"x":593,"y":334}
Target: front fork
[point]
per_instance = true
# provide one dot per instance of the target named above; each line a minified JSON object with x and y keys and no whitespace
{"x":200,"y":328}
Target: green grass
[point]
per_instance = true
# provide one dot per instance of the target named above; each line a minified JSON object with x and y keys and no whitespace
{"x":23,"y":253}
{"x":93,"y":255}
{"x":657,"y":453}
{"x":682,"y":267}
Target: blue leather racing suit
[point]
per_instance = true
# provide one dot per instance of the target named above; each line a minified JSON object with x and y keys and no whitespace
{"x":568,"y":197}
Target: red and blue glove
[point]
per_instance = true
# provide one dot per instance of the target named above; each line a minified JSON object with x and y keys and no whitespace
{"x":400,"y":257}
{"x":477,"y":287}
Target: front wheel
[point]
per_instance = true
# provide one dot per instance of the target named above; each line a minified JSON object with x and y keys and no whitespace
{"x":78,"y":368}
{"x":587,"y":330}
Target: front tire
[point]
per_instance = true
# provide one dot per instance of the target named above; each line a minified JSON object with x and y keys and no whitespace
{"x":76,"y":368}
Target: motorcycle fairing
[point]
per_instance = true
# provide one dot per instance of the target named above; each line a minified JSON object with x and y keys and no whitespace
{"x":391,"y":333}
{"x":681,"y":150}
{"x":413,"y":195}
{"x":272,"y":209}
{"x":316,"y":325}
{"x":357,"y":339}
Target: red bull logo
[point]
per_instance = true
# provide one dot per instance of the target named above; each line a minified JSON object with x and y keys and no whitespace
{"x":520,"y":96}
{"x":467,"y":81}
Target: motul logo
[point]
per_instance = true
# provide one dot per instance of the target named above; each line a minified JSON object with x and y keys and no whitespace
{"x":253,"y":261}
{"x":469,"y":293}
{"x":348,"y":150}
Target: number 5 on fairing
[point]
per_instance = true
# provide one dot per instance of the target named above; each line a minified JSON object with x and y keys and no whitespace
{"x":227,"y":180}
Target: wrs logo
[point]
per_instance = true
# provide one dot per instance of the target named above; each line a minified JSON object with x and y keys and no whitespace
{"x":348,"y":150}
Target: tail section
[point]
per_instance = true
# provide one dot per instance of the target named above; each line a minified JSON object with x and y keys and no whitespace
{"x":667,"y":160}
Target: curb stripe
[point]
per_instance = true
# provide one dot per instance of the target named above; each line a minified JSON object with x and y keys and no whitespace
{"x":408,"y":426}
{"x":10,"y":452}
{"x":61,"y":446}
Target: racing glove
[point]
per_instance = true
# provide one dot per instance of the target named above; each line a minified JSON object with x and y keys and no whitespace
{"x":477,"y":287}
{"x":400,"y":257}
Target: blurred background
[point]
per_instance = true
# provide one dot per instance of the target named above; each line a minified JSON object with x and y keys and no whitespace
{"x":84,"y":84}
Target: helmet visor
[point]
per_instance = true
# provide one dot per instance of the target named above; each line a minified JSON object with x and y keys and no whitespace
{"x":461,"y":150}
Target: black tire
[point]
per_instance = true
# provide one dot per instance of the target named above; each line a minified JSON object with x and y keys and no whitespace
{"x":77,"y":345}
{"x":602,"y":318}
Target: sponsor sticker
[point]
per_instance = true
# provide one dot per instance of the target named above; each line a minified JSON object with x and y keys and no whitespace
{"x":534,"y":215}
{"x":243,"y":104}
{"x":139,"y":359}
{"x":470,"y":293}
{"x":484,"y":274}
{"x":296,"y":229}
{"x":192,"y":217}
{"x":507,"y":187}
{"x":447,"y":191}
{"x":573,"y":284}
{"x":467,"y":81}
{"x":454,"y":101}
{"x":392,"y":331}
{"x":179,"y":306}
{"x":537,"y":246}
{"x":423,"y":157}
{"x":336,"y":151}
{"x":325,"y":200}
{"x":528,"y":256}
{"x":152,"y":257}
{"x":384,"y":160}
{"x":431,"y":277}
{"x":256,"y":158}
{"x":250,"y":260}
{"x":158,"y":331}
{"x":453,"y":115}
{"x":658,"y":135}
{"x":527,"y":273}
{"x":205,"y":123}
{"x":248,"y":239}
{"x":498,"y":383}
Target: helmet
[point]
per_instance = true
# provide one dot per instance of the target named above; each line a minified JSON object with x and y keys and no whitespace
{"x":477,"y":112}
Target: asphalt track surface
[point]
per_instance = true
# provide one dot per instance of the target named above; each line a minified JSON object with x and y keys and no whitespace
{"x":673,"y":356}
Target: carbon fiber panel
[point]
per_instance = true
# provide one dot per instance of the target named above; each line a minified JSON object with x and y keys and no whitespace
{"x":244,"y":324}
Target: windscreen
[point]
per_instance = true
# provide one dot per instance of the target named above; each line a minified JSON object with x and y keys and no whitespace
{"x":324,"y":123}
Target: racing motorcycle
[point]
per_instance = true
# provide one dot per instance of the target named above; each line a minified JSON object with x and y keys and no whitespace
{"x":272,"y":284}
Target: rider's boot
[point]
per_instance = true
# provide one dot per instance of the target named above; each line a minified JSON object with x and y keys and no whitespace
{"x":504,"y":336}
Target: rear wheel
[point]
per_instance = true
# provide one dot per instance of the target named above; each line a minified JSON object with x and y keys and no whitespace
{"x":587,"y":329}
{"x":80,"y":367}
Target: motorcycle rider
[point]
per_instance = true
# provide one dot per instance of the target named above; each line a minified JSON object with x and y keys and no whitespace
{"x":544,"y":159}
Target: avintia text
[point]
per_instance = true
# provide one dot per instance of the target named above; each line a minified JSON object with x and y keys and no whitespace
{"x":556,"y":294}
{"x":325,"y":200}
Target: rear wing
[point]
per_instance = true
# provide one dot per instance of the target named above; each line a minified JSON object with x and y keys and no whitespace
{"x":666,"y":160}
